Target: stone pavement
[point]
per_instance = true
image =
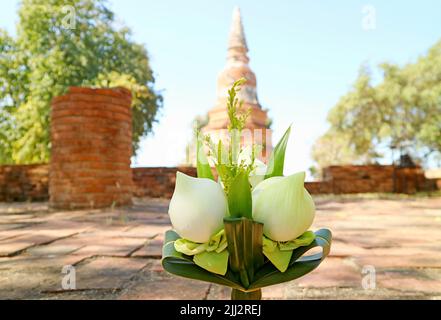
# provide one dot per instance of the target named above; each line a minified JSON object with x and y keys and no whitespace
{"x":116,"y":253}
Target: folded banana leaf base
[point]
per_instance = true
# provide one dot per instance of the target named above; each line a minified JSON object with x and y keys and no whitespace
{"x":248,"y":270}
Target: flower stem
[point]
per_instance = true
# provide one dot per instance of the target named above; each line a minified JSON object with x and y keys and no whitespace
{"x":241,"y":295}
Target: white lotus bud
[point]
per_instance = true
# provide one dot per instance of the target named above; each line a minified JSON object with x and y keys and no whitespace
{"x":284,"y":206}
{"x":197,"y":208}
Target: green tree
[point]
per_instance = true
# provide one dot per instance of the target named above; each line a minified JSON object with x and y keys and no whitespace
{"x":60,"y":44}
{"x":402,"y":112}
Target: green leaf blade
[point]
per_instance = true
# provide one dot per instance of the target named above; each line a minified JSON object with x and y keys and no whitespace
{"x":202,"y":166}
{"x":239,"y":197}
{"x":276,"y":162}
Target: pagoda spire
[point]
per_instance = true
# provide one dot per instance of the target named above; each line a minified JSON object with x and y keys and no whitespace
{"x":237,"y":67}
{"x":237,"y":44}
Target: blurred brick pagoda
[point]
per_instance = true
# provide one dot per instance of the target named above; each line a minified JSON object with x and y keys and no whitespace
{"x":237,"y":66}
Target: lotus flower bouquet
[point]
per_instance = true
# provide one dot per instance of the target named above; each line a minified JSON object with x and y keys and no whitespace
{"x":249,"y":228}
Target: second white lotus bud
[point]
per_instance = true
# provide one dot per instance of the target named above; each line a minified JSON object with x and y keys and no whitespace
{"x":197,"y":208}
{"x":284,"y":206}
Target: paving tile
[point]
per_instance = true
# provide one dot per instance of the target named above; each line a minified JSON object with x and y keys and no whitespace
{"x":342,"y":249}
{"x":11,"y":226}
{"x":144,"y":231}
{"x":152,"y":284}
{"x":26,"y":277}
{"x":152,"y":248}
{"x":53,"y":250}
{"x":333,"y":272}
{"x":119,"y":246}
{"x":13,"y":246}
{"x":409,"y":280}
{"x":403,"y":261}
{"x":107,"y":272}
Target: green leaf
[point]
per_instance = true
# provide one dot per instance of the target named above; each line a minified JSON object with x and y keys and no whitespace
{"x":203,"y":167}
{"x":239,"y":197}
{"x":277,"y":159}
{"x":216,"y":262}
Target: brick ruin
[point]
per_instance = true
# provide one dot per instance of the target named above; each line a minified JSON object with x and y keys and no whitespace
{"x":91,"y":136}
{"x":24,"y":182}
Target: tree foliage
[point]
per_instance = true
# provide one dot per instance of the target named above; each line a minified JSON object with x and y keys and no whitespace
{"x":402,"y":111}
{"x":47,"y":56}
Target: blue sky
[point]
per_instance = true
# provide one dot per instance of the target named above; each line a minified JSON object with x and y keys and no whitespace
{"x":305,"y":54}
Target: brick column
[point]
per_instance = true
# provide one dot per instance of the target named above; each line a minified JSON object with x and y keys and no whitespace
{"x":91,"y":136}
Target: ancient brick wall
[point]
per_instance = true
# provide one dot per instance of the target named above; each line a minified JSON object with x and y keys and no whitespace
{"x":21,"y":183}
{"x":24,"y":183}
{"x":377,"y":178}
{"x":91,"y":134}
{"x":157,"y":182}
{"x":359,"y":179}
{"x":318,"y":187}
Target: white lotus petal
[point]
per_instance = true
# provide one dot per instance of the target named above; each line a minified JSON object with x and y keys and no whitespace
{"x":284,"y":206}
{"x":197,"y":208}
{"x":258,"y":174}
{"x":245,"y":156}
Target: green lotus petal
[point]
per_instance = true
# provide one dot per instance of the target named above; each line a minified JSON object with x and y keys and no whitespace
{"x":279,"y":253}
{"x":304,"y":240}
{"x":189,"y":248}
{"x":218,"y":242}
{"x":280,"y":259}
{"x":213,"y":261}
